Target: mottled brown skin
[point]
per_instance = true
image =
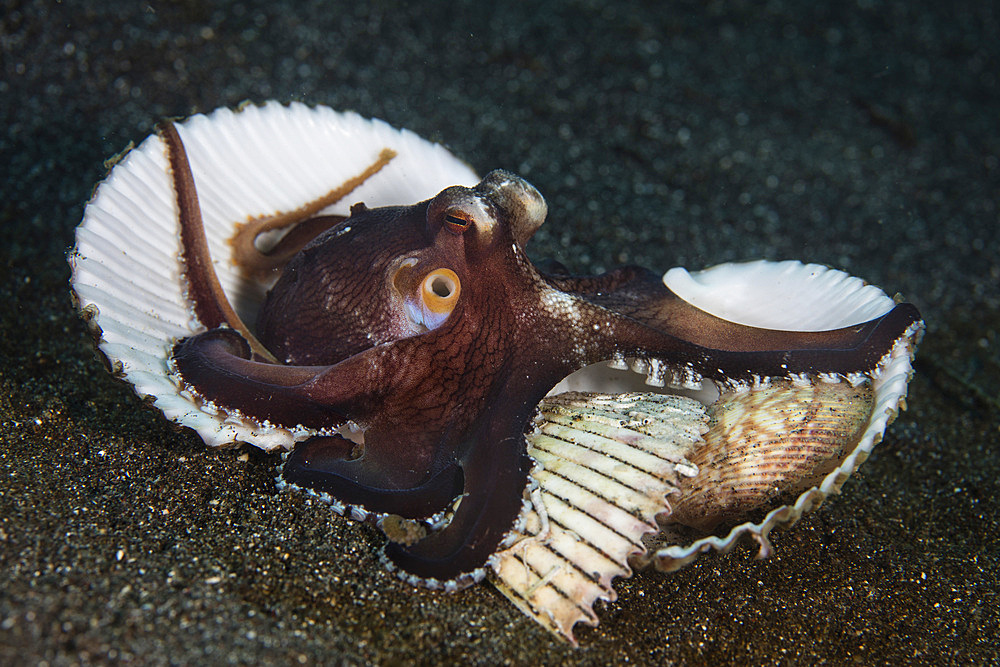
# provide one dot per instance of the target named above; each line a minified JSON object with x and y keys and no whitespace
{"x":444,"y":411}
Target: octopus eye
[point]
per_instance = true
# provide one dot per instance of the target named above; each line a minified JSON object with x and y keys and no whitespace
{"x":433,"y":300}
{"x":457,"y":221}
{"x":439,"y":291}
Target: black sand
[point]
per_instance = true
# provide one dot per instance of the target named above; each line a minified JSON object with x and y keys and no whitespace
{"x":862,"y":135}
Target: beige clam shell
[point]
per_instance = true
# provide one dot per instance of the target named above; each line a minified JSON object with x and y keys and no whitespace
{"x":766,"y":442}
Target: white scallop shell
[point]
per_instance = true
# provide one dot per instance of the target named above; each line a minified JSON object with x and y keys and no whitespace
{"x":788,"y":295}
{"x":247,"y":163}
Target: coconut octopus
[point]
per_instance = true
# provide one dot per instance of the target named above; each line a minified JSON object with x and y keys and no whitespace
{"x":546,"y":431}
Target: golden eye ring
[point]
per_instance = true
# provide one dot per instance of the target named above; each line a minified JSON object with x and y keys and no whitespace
{"x":439,"y":291}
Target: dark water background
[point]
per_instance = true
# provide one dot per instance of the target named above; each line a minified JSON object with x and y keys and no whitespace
{"x":863,"y":135}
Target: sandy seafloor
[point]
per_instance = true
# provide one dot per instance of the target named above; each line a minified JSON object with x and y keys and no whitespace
{"x":862,"y":135}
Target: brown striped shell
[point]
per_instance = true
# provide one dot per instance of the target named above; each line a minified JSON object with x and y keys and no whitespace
{"x":764,"y":445}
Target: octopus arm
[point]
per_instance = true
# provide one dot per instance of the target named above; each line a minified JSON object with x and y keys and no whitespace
{"x":495,"y":471}
{"x":405,"y":458}
{"x":324,"y":465}
{"x":658,"y":322}
{"x":218,"y":366}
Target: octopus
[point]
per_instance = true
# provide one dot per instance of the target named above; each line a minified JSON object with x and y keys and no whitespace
{"x":267,"y":278}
